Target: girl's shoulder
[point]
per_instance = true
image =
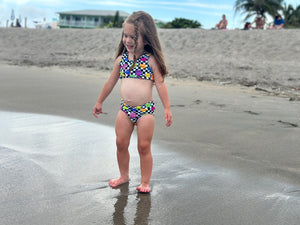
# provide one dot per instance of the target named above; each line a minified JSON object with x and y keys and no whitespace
{"x":151,"y":60}
{"x":118,"y":59}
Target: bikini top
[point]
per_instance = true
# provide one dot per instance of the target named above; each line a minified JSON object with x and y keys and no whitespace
{"x":141,"y":69}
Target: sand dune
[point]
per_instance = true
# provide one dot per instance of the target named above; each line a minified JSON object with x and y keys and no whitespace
{"x":268,"y":59}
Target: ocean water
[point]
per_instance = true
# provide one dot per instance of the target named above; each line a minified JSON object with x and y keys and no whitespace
{"x":55,"y":170}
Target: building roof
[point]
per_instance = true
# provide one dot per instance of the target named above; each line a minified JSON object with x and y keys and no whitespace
{"x":91,"y":12}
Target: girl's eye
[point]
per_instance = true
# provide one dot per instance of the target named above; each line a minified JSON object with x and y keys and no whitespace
{"x":127,"y":36}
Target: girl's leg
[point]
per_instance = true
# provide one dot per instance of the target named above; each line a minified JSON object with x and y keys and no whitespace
{"x":145,"y":129}
{"x":124,"y":128}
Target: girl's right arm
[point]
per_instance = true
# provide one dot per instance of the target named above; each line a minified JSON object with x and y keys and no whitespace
{"x":107,"y":87}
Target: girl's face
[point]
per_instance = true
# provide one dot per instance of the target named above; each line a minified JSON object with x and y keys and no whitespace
{"x":128,"y":39}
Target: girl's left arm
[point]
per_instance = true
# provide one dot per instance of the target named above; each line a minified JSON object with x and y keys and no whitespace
{"x":162,"y":91}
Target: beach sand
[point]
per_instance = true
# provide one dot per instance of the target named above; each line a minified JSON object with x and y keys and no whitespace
{"x":267,"y":59}
{"x":230,"y":157}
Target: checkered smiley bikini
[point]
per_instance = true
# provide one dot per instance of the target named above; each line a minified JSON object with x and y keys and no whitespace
{"x":134,"y":113}
{"x":141,"y":70}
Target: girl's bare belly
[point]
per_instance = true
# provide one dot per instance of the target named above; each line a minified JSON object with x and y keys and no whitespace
{"x":136,"y":91}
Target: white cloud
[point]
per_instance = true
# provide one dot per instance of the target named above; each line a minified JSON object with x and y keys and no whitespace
{"x":190,"y":10}
{"x":33,"y":12}
{"x":194,"y":4}
{"x":292,"y":2}
{"x":145,"y":4}
{"x":113,"y":3}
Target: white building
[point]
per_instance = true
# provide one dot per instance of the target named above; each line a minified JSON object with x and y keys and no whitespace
{"x":88,"y":19}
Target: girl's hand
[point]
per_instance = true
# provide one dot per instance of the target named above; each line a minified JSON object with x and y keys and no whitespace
{"x":168,"y":117}
{"x":97,"y":109}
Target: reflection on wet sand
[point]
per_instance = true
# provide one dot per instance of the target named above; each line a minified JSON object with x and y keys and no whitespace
{"x":143,"y":207}
{"x":122,"y":199}
{"x":55,"y":170}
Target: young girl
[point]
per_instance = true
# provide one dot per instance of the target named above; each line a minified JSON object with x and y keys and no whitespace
{"x":139,"y":64}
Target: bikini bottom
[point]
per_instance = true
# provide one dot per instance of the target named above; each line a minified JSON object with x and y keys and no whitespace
{"x":136,"y":112}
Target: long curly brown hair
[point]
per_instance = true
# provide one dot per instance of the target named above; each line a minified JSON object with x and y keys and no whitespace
{"x":145,"y":24}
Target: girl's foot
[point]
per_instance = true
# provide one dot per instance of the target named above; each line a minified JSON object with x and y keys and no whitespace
{"x":117,"y":182}
{"x":143,"y":188}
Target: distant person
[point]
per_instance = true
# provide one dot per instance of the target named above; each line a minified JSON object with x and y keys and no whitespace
{"x":18,"y":23}
{"x":278,"y":23}
{"x":222,"y":25}
{"x":259,"y":23}
{"x":139,"y":64}
{"x":247,"y":26}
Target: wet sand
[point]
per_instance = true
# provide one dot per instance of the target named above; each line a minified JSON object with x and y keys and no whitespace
{"x":231,"y":156}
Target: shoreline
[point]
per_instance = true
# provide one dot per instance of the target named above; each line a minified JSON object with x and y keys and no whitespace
{"x":54,"y":91}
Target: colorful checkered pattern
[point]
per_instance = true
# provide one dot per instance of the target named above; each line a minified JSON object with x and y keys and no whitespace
{"x":141,"y":69}
{"x":134,"y":113}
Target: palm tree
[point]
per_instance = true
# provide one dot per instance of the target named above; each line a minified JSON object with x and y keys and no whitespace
{"x":258,"y":7}
{"x":291,"y":16}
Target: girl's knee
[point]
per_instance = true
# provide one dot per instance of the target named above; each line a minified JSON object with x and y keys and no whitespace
{"x":122,"y":145}
{"x":144,"y":147}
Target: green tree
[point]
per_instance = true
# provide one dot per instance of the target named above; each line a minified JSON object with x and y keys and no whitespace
{"x":258,"y":7}
{"x":182,"y":23}
{"x":115,"y":21}
{"x":291,"y":16}
{"x":118,"y":21}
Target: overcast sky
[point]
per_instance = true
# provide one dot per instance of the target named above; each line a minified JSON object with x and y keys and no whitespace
{"x":208,"y":13}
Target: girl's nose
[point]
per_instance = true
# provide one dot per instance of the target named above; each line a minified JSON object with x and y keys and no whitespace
{"x":128,"y":39}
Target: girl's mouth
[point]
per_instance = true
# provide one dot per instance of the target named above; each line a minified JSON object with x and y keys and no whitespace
{"x":129,"y":47}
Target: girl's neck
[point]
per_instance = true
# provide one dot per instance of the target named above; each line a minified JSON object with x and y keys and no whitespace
{"x":137,"y":54}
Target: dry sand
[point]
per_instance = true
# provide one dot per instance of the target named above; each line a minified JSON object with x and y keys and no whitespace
{"x":269,"y":59}
{"x":231,"y":156}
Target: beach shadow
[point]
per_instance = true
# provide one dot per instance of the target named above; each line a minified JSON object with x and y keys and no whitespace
{"x":122,"y":199}
{"x":143,"y":207}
